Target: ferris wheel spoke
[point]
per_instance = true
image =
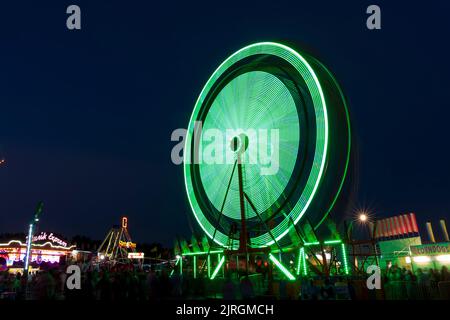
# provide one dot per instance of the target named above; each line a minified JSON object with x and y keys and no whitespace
{"x":224,"y":201}
{"x":228,"y":187}
{"x":220,"y":214}
{"x":263,"y":222}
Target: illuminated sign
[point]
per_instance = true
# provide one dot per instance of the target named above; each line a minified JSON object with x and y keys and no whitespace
{"x":135,"y":255}
{"x":124,"y":222}
{"x":431,"y":249}
{"x":15,"y":243}
{"x":43,"y":236}
{"x":127,"y":244}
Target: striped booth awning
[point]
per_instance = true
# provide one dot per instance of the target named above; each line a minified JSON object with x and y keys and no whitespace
{"x":397,"y":227}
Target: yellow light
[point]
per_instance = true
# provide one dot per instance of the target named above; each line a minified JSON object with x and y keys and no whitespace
{"x":363,"y":217}
{"x":421,"y":259}
{"x":408,"y":259}
{"x":443,"y":258}
{"x":127,"y":244}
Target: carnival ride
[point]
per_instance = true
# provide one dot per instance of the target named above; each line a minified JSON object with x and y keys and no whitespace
{"x":117,"y":245}
{"x":267,"y":99}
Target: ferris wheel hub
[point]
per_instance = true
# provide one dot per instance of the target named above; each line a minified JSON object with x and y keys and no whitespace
{"x":239,"y":143}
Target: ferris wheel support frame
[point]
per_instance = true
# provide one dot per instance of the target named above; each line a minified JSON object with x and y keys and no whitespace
{"x":244,"y":245}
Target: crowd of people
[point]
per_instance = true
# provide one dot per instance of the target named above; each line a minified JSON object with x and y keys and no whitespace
{"x":117,"y":283}
{"x":423,"y":284}
{"x":125,"y":282}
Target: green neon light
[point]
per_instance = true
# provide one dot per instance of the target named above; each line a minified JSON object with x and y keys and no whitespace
{"x":222,"y":260}
{"x":201,"y":253}
{"x":332,"y":242}
{"x":301,"y":264}
{"x":218,"y":261}
{"x":344,"y":254}
{"x":281,"y":267}
{"x":300,"y":64}
{"x":316,"y":243}
{"x":209,"y":266}
{"x":299,"y":260}
{"x":195,"y":267}
{"x":305,"y":267}
{"x":173,"y":270}
{"x":312,"y":243}
{"x":181,"y":265}
{"x":349,"y":142}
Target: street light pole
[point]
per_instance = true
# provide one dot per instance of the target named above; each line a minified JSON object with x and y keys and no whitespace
{"x":371,"y":229}
{"x":31,"y":229}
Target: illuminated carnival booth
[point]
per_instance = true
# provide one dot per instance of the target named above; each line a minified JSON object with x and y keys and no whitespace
{"x":433,"y":254}
{"x":45,"y":247}
{"x":399,"y":243}
{"x":395,"y":235}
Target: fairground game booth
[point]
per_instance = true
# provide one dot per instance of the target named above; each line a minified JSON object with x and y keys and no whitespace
{"x":47,"y":247}
{"x":400,"y":243}
{"x":432,"y":256}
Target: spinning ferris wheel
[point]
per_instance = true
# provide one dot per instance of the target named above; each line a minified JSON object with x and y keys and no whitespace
{"x":277,"y":101}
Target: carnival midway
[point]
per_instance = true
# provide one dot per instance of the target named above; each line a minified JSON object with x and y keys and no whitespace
{"x":283,"y":234}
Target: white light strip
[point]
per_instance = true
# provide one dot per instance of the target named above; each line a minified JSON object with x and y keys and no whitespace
{"x":443,"y":258}
{"x":421,"y":259}
{"x":36,"y":245}
{"x":27,"y":255}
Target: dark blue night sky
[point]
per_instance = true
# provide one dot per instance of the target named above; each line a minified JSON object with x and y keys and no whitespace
{"x":86,"y":116}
